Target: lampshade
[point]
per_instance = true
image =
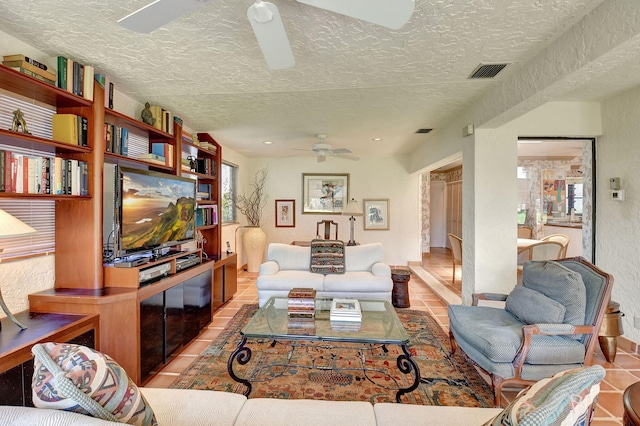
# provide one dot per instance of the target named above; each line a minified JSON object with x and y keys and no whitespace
{"x":12,"y":227}
{"x":352,"y":209}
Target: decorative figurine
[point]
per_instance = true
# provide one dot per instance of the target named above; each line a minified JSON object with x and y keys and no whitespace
{"x":18,"y":121}
{"x":147,"y":116}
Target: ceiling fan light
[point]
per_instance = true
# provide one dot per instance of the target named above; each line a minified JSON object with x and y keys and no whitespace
{"x":261,"y":12}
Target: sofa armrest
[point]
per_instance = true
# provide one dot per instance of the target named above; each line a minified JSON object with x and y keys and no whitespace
{"x":380,"y":269}
{"x":269,"y":267}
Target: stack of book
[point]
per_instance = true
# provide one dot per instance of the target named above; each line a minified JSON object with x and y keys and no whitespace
{"x":302,"y":303}
{"x":345,"y":310}
{"x":31,"y":67}
{"x":116,"y":139}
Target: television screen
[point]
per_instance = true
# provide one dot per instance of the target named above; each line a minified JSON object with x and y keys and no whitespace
{"x":157,"y":210}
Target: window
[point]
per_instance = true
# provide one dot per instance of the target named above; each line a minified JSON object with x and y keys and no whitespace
{"x":229,"y":173}
{"x":40,"y":215}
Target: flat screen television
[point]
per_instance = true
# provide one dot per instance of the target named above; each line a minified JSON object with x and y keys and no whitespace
{"x":155,"y":211}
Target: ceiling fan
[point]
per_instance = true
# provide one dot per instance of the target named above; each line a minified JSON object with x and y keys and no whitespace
{"x":322,"y":149}
{"x":267,"y":24}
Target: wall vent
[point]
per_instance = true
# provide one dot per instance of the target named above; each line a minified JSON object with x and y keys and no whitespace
{"x":487,"y":70}
{"x":423,"y":130}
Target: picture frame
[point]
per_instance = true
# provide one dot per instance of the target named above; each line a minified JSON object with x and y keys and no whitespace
{"x":324,"y":193}
{"x":376,"y":214}
{"x":285,"y":213}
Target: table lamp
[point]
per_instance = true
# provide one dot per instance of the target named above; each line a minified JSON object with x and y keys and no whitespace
{"x":12,"y":227}
{"x":352,"y":209}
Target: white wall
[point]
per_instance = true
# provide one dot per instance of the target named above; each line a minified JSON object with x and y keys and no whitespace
{"x":618,"y":222}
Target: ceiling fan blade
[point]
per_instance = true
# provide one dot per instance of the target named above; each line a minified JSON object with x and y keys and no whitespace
{"x":272,"y":38}
{"x":348,"y":157}
{"x":341,"y":151}
{"x":156,"y":14}
{"x":387,"y":13}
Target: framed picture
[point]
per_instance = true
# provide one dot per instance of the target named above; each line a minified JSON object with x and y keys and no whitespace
{"x":285,"y":213}
{"x":324,"y":194}
{"x":376,"y":214}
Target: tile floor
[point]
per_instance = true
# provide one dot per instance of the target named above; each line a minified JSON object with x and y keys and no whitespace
{"x":436,"y":267}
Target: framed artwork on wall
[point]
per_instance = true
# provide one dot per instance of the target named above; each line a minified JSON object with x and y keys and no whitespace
{"x":285,"y":213}
{"x":324,"y":193}
{"x":376,"y":214}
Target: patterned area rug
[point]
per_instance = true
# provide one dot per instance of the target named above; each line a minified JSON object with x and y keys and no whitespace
{"x":445,"y":380}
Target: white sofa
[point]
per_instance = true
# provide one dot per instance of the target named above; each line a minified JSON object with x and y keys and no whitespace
{"x":288,"y":266}
{"x":173,"y":407}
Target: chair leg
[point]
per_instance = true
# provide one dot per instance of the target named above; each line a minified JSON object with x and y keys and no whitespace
{"x":453,"y":277}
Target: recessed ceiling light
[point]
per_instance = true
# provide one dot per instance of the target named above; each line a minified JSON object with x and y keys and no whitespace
{"x":376,"y":139}
{"x":267,"y":142}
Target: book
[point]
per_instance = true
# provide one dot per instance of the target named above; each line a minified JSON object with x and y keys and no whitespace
{"x":124,"y":141}
{"x":164,"y":150}
{"x":2,"y":171}
{"x":302,"y":292}
{"x":65,"y":128}
{"x":88,"y":82}
{"x":34,"y":75}
{"x":151,"y":156}
{"x":21,"y":57}
{"x":83,"y":136}
{"x":345,"y":310}
{"x":78,"y":79}
{"x":27,"y":66}
{"x":62,"y":72}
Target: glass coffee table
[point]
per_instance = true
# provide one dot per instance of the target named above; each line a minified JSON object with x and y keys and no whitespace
{"x":380,"y":326}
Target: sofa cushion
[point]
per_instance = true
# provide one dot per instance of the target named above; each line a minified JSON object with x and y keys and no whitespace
{"x":288,"y":279}
{"x":77,"y":378}
{"x":560,"y":284}
{"x":327,"y":257}
{"x":289,"y":257}
{"x":564,"y":399}
{"x":392,"y":414}
{"x":174,"y":407}
{"x":362,"y":257}
{"x":358,"y":282}
{"x":303,"y":412}
{"x":533,"y":307}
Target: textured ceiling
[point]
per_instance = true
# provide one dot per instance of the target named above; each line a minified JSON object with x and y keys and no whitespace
{"x":352,"y":80}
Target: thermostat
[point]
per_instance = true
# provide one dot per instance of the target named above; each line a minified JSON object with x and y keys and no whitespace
{"x":614,"y":183}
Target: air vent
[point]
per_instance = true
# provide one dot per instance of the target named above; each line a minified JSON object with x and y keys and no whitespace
{"x":487,"y":70}
{"x":423,"y":130}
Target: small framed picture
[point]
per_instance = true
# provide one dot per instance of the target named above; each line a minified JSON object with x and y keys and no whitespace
{"x":376,"y":214}
{"x":285,"y":213}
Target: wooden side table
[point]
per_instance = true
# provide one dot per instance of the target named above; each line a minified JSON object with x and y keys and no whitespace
{"x":400,"y":294}
{"x":610,"y":329}
{"x":631,"y":403}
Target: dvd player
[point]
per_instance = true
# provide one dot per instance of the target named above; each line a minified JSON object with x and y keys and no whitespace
{"x":187,"y":262}
{"x":154,"y":272}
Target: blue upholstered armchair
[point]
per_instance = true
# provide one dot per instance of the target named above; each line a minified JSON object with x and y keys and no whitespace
{"x":550,"y":323}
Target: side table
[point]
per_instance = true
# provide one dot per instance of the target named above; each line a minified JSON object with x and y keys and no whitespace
{"x":400,"y":294}
{"x":610,"y":329}
{"x":631,"y":403}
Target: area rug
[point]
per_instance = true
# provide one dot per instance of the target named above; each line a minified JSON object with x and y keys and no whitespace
{"x":336,"y":372}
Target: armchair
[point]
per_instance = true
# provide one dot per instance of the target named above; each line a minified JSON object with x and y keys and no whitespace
{"x":549,"y":324}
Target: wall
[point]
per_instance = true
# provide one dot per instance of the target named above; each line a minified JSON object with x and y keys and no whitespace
{"x":370,"y":177}
{"x":617,"y":222}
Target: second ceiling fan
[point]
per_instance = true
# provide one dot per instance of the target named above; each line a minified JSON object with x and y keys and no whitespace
{"x":267,"y":24}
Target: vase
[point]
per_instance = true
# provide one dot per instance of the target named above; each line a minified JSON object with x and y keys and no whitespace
{"x":254,"y":241}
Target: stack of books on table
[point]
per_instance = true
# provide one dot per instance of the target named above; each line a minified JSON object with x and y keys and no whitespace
{"x":345,"y":310}
{"x":302,"y":304}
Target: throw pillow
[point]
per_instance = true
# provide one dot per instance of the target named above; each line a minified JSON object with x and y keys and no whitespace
{"x":560,"y":284}
{"x":327,"y":257}
{"x":567,"y":398}
{"x":533,"y":307}
{"x":77,"y":378}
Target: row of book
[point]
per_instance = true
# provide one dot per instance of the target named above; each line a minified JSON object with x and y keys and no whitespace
{"x":75,"y":77}
{"x":206,"y":166}
{"x":70,"y":128}
{"x":193,"y":139}
{"x":163,"y":119}
{"x":207,"y":215}
{"x":116,"y":139}
{"x":25,"y":174}
{"x":165,"y":150}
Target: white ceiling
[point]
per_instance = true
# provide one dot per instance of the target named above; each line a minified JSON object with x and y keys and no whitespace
{"x":352,"y":80}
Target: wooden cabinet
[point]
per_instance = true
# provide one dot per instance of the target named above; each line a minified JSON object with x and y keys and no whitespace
{"x":16,"y":361}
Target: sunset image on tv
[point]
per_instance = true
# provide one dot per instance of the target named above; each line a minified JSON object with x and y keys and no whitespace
{"x":156,"y":210}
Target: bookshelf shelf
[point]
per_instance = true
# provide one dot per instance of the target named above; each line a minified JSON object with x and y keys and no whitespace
{"x":112,"y":158}
{"x":30,"y":88}
{"x":23,"y":196}
{"x":122,"y":120}
{"x":24,"y":140}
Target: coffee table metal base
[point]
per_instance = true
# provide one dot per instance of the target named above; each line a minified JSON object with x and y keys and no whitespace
{"x":406,"y":365}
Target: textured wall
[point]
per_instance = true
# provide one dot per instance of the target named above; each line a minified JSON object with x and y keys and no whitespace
{"x":617,"y":222}
{"x":22,"y":277}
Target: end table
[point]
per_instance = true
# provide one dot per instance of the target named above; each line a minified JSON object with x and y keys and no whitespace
{"x":400,"y":294}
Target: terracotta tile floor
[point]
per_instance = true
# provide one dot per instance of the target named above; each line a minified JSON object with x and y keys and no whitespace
{"x":437,"y":265}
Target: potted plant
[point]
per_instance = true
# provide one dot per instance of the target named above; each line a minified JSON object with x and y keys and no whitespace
{"x":254,"y":238}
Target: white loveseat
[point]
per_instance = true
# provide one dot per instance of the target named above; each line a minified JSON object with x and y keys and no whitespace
{"x":288,"y":266}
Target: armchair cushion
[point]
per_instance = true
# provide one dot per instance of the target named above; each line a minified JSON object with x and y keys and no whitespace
{"x":564,"y":399}
{"x":560,"y":284}
{"x":533,"y":307}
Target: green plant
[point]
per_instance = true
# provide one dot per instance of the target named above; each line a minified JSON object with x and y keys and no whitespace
{"x":251,"y":206}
